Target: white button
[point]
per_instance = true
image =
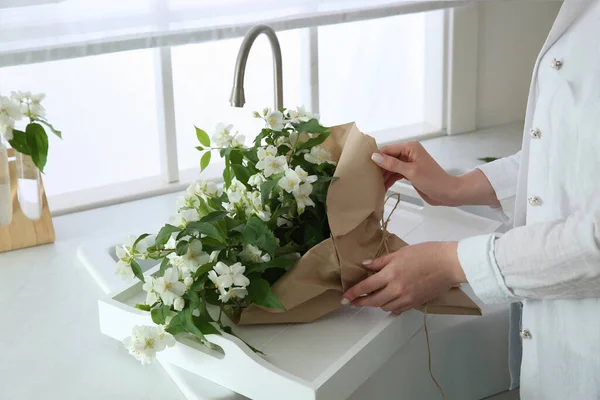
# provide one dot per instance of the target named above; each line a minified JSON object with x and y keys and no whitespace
{"x":525,"y":334}
{"x":557,"y":64}
{"x":534,"y":201}
{"x":535,"y":133}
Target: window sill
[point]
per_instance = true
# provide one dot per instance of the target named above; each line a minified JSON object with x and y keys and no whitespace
{"x":457,"y":154}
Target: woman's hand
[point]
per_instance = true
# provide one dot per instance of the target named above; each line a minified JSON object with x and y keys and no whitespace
{"x":437,"y":187}
{"x":409,"y":277}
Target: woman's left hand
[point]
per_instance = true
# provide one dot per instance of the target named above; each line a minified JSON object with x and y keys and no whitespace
{"x":408,"y":278}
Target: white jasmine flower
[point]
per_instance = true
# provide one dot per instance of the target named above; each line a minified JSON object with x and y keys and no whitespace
{"x":35,"y":108}
{"x":214,"y":255}
{"x":272,"y":165}
{"x":269,"y":151}
{"x":171,"y":243}
{"x":263,"y":215}
{"x":302,"y":196}
{"x":290,"y":181}
{"x":275,"y":120}
{"x":195,"y":257}
{"x":178,"y":304}
{"x":232,"y":293}
{"x":20,"y":95}
{"x":188,"y":281}
{"x":169,"y":287}
{"x":254,"y":255}
{"x":283,"y":141}
{"x":10,"y":108}
{"x":146,"y":341}
{"x":283,"y":222}
{"x":148,"y":287}
{"x":222,"y":136}
{"x":238,"y":140}
{"x":301,"y":115}
{"x":256,"y":180}
{"x":124,"y":270}
{"x":224,"y":276}
{"x":210,"y":189}
{"x":318,"y":155}
{"x":7,"y":126}
{"x":184,"y":217}
{"x":303,"y":175}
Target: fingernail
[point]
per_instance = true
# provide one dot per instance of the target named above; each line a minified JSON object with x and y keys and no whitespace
{"x":345,"y":302}
{"x":367,"y":262}
{"x":378,"y":158}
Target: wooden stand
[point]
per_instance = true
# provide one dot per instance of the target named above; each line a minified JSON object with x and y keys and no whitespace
{"x":23,"y":232}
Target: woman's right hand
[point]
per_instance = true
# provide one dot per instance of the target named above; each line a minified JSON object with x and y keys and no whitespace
{"x":437,"y":187}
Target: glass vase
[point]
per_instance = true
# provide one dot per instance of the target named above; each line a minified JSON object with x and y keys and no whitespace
{"x":6,"y":208}
{"x":29,"y":187}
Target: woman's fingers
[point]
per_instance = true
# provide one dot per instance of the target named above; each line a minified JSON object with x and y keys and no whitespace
{"x":391,"y":164}
{"x":397,"y":306}
{"x":367,"y":286}
{"x":376,"y":299}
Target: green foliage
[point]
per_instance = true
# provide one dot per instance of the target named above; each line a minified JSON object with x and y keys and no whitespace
{"x":203,"y":137}
{"x":259,"y":292}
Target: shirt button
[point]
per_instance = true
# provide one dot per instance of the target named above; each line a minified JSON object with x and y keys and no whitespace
{"x":525,"y":334}
{"x":535,"y":133}
{"x":557,"y":64}
{"x":534,"y":201}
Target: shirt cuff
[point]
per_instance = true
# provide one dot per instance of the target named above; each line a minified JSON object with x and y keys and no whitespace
{"x":502,"y":175}
{"x":478,"y":261}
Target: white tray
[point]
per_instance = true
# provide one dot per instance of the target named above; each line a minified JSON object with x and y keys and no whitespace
{"x":328,"y":359}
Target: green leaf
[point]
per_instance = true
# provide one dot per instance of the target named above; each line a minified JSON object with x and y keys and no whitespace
{"x":205,"y":160}
{"x":177,"y":324}
{"x":313,"y":141}
{"x":182,"y":247}
{"x":283,"y":263}
{"x":214,"y":216}
{"x":49,"y":125}
{"x":203,"y":137}
{"x":194,"y":299}
{"x":259,"y":292}
{"x":159,"y":314}
{"x":189,"y":323}
{"x":207,"y":229}
{"x":311,"y":126}
{"x":139,"y":239}
{"x":241,"y":173}
{"x":137,"y":270}
{"x":199,"y":148}
{"x":37,"y":139}
{"x":204,"y":269}
{"x":263,"y":133}
{"x":143,"y":307}
{"x":487,"y":159}
{"x":165,"y":234}
{"x":266,"y":188}
{"x":163,"y":266}
{"x":19,"y":142}
{"x":205,"y":326}
{"x":236,"y":157}
{"x":251,"y":155}
{"x":257,"y":233}
{"x":227,"y":176}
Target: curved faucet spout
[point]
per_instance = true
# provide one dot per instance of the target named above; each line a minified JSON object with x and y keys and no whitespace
{"x":237,"y":98}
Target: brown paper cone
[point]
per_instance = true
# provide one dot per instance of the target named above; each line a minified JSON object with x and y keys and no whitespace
{"x":355,"y":203}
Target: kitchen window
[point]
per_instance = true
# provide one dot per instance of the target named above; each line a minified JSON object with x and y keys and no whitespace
{"x":128,"y":116}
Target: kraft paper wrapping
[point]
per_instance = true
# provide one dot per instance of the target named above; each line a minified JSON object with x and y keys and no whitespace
{"x":355,"y":206}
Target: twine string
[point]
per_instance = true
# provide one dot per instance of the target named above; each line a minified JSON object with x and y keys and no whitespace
{"x":384,"y":249}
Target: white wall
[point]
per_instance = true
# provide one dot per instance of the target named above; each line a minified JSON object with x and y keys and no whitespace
{"x":511,"y":35}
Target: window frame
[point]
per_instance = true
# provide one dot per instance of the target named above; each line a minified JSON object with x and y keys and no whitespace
{"x":440,"y":116}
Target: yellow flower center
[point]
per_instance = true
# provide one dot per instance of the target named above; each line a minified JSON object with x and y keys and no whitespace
{"x":149,"y":343}
{"x":168,"y":286}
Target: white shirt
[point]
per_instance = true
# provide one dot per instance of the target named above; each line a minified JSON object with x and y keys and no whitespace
{"x":551,"y":259}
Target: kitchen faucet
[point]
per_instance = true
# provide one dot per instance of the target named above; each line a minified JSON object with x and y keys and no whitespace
{"x":237,"y":98}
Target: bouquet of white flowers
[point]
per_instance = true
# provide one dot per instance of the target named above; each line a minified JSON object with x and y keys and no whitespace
{"x":227,"y":245}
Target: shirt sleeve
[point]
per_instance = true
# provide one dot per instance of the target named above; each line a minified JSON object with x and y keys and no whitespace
{"x":550,"y":260}
{"x":503,"y":176}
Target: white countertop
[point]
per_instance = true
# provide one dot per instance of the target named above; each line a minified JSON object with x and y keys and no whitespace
{"x":50,"y":340}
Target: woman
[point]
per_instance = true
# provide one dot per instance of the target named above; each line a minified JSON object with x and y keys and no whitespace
{"x":550,"y":261}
